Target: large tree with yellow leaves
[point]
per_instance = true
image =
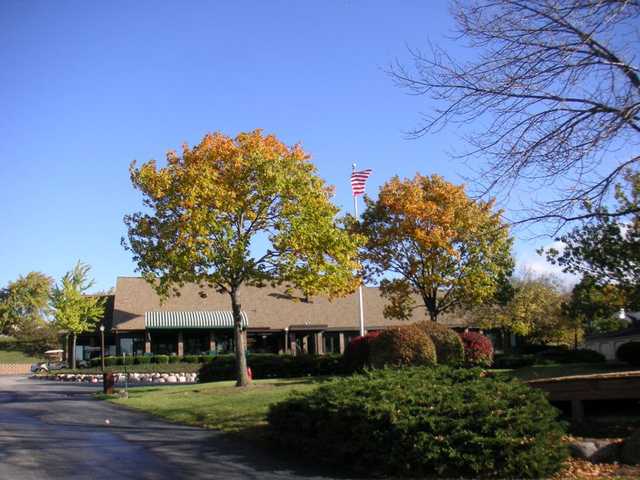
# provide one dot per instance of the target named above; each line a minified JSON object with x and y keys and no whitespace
{"x":428,"y":240}
{"x":240,"y":211}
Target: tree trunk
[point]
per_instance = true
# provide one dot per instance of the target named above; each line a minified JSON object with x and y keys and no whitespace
{"x":242,"y":377}
{"x":73,"y":351}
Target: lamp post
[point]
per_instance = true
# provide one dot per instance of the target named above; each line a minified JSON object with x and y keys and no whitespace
{"x":102,"y":347}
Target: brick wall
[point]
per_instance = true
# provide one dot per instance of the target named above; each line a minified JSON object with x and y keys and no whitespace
{"x":15,"y":368}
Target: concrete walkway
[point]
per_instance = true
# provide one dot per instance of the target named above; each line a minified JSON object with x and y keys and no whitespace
{"x":51,"y":430}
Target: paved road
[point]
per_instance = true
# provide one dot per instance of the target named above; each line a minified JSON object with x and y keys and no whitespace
{"x":54,"y":430}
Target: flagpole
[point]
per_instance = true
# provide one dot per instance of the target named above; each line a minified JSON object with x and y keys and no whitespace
{"x":355,"y":209}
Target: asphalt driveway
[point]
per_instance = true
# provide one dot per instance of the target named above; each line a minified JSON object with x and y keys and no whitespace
{"x":52,"y":430}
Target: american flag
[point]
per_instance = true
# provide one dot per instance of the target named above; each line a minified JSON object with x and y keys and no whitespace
{"x":358,"y":180}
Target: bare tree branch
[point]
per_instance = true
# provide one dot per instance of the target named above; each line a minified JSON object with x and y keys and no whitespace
{"x":554,"y":91}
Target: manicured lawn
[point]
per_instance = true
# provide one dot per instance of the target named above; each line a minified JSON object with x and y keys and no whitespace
{"x":17,"y":356}
{"x":565,"y":370}
{"x":144,"y":368}
{"x":217,"y":405}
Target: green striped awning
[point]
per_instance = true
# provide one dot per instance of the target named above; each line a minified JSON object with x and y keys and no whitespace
{"x":206,"y":319}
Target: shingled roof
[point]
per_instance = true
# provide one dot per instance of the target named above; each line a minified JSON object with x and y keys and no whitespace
{"x":266,"y":308}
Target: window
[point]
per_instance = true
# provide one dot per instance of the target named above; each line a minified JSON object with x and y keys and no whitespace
{"x":331,"y":342}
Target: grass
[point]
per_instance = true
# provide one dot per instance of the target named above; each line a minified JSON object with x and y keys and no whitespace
{"x":217,"y":405}
{"x":17,"y":356}
{"x":143,"y":368}
{"x":565,"y":370}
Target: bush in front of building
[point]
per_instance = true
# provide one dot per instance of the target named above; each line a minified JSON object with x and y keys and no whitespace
{"x":356,"y":353}
{"x":142,"y":359}
{"x":402,"y":346}
{"x":478,"y":349}
{"x":629,"y":353}
{"x":175,"y":359}
{"x":449,"y":347}
{"x":160,"y":359}
{"x":265,"y":365}
{"x":191,"y":359}
{"x":433,"y":422}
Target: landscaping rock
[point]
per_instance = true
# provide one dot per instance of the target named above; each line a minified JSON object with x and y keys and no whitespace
{"x":630,"y":451}
{"x":582,"y":449}
{"x":607,"y":453}
{"x":172,"y":379}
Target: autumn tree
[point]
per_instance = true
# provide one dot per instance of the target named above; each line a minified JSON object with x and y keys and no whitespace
{"x":74,"y":310}
{"x":534,"y":309}
{"x":427,"y":239}
{"x":549,"y":97}
{"x":240,"y":211}
{"x":24,"y":303}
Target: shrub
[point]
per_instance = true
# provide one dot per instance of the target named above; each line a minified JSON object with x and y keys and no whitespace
{"x":264,"y":365}
{"x":405,"y":345}
{"x":160,"y":359}
{"x":564,"y":355}
{"x":478,"y":349}
{"x":112,"y":361}
{"x":142,"y":359}
{"x":357,"y":352}
{"x":191,"y":359}
{"x":174,"y":359}
{"x":424,"y":422}
{"x":449,"y":348}
{"x":629,"y":352}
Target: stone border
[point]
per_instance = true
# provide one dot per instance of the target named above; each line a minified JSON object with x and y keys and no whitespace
{"x":133,"y":378}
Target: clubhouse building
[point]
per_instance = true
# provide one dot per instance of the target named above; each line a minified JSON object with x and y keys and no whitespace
{"x":199,"y":321}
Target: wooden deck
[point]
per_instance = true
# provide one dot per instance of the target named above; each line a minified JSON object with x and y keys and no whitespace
{"x":576,"y":389}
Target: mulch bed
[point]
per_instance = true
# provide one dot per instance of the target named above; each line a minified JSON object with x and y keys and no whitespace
{"x":584,"y":469}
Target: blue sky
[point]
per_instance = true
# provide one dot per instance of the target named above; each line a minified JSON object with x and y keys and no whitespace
{"x":87,"y":87}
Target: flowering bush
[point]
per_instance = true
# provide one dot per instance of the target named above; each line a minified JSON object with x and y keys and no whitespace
{"x":478,"y":349}
{"x":356,"y":354}
{"x":401,"y":346}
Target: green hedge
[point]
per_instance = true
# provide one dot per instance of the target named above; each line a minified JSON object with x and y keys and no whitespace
{"x":160,"y":359}
{"x":264,"y":365}
{"x":424,"y":422}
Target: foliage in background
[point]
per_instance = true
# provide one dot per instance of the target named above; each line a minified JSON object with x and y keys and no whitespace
{"x":478,"y":349}
{"x":74,"y":310}
{"x":402,"y":346}
{"x":24,"y":304}
{"x":209,"y":206}
{"x":449,"y":347}
{"x":441,"y":247}
{"x":608,"y":248}
{"x":441,"y":422}
{"x":597,"y":305}
{"x":533,"y":308}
